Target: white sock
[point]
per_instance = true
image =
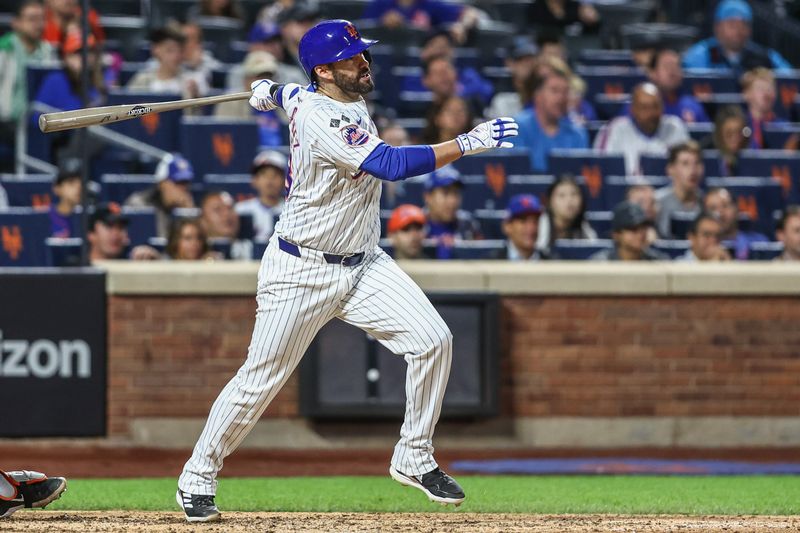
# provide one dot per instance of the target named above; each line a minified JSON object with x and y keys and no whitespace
{"x":7,"y":490}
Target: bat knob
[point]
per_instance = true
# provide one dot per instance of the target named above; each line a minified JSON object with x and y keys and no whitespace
{"x":43,"y":123}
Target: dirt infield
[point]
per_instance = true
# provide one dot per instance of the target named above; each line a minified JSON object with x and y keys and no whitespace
{"x":352,"y":522}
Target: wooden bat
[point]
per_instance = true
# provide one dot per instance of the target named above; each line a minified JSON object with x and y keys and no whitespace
{"x":93,"y":116}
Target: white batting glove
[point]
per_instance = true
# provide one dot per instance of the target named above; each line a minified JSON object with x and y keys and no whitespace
{"x":261,"y":98}
{"x":488,"y":135}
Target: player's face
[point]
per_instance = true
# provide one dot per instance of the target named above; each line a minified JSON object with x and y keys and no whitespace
{"x":269,"y":182}
{"x":220,"y":218}
{"x":108,"y":240}
{"x":523,"y":231}
{"x":790,"y":236}
{"x":444,"y":202}
{"x":353,"y":75}
{"x":407,"y":242}
{"x":69,"y":191}
{"x":706,"y":240}
{"x":190,"y":243}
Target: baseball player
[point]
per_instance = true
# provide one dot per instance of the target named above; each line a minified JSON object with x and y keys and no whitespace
{"x":24,"y":488}
{"x":323,"y":262}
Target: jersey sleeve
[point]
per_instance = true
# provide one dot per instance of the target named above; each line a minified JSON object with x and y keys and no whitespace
{"x":345,"y":144}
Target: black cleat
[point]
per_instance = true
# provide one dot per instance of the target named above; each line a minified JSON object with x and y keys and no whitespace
{"x":33,"y":490}
{"x":438,"y":486}
{"x":197,"y":507}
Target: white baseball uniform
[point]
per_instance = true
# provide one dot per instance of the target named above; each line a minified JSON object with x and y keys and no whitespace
{"x":332,"y":207}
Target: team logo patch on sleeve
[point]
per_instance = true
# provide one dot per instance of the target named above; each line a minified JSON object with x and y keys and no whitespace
{"x":353,"y":135}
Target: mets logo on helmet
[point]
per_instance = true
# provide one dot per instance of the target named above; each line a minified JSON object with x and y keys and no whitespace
{"x":352,"y":31}
{"x":353,"y":135}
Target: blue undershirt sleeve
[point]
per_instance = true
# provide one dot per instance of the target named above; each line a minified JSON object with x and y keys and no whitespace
{"x":398,"y":163}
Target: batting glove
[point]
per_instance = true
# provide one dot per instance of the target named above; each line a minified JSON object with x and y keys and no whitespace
{"x":262,"y":98}
{"x":488,"y":135}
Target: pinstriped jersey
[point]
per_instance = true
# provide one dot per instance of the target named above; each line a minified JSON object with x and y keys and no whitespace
{"x":331,"y":204}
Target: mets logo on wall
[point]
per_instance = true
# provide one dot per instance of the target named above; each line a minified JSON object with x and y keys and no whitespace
{"x":352,"y":31}
{"x":353,"y":135}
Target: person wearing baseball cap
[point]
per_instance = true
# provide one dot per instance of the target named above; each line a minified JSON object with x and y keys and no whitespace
{"x":521,"y":228}
{"x":268,"y":178}
{"x":67,"y":188}
{"x":108,"y":236}
{"x":173,"y":178}
{"x":447,"y":222}
{"x":629,"y":226}
{"x":731,"y":47}
{"x":406,"y":231}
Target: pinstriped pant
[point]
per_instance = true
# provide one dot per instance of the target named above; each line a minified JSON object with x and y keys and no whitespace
{"x":296,"y":297}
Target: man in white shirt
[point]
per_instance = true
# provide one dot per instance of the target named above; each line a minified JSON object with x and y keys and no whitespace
{"x":268,"y":178}
{"x":704,"y":236}
{"x":646,"y":131}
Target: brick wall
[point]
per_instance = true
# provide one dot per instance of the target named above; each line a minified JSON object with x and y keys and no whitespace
{"x":560,"y":356}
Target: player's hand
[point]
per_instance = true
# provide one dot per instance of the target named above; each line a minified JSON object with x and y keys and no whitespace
{"x":261,"y":98}
{"x":487,"y":135}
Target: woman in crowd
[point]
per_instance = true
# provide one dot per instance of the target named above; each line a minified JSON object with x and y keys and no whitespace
{"x":564,"y":217}
{"x":731,"y":136}
{"x":447,"y":119}
{"x":187,"y":241}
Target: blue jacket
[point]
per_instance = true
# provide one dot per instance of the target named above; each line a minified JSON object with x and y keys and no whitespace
{"x":539,"y":144}
{"x":708,"y":54}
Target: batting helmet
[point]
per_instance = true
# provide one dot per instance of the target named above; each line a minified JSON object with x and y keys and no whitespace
{"x":331,"y":41}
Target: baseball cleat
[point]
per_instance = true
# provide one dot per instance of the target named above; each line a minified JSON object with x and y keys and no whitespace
{"x":438,"y":486}
{"x":198,"y":507}
{"x":33,"y":490}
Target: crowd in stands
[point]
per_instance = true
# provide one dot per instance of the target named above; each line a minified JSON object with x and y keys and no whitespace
{"x":677,"y":146}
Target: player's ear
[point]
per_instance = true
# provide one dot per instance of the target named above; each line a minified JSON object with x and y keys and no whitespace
{"x":324,"y":72}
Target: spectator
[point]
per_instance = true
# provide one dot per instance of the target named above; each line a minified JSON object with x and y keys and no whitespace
{"x":62,"y":90}
{"x":268,"y":176}
{"x":294,"y":22}
{"x":644,"y":196}
{"x":406,"y":231}
{"x":685,"y":169}
{"x":521,"y":228}
{"x":67,"y":188}
{"x":266,"y":37}
{"x":579,"y":110}
{"x":61,"y":17}
{"x":547,"y":126}
{"x":758,"y":89}
{"x":257,"y":65}
{"x":520,"y":61}
{"x":108,"y":236}
{"x":447,"y":222}
{"x":424,"y":15}
{"x":173,"y":177}
{"x":216,"y":8}
{"x":731,"y":47}
{"x":719,"y":203}
{"x":704,"y":236}
{"x":646,"y":130}
{"x":197,"y":61}
{"x":551,"y":44}
{"x":629,"y":231}
{"x":731,"y":135}
{"x":394,"y":134}
{"x":19,"y":47}
{"x":564,"y":217}
{"x":166,"y":74}
{"x":220,"y":221}
{"x":561,"y":14}
{"x":470,"y":82}
{"x":666,"y":73}
{"x":187,"y":241}
{"x":788,"y":233}
{"x":439,"y":76}
{"x":447,"y":119}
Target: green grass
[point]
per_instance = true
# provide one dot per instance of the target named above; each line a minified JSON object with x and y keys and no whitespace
{"x":733,"y":495}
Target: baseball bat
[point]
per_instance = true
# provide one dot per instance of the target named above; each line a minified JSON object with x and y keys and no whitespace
{"x":93,"y":116}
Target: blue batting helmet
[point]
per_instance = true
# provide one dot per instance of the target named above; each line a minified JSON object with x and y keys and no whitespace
{"x":331,"y":41}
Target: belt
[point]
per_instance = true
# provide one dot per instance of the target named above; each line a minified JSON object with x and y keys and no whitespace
{"x":344,"y":260}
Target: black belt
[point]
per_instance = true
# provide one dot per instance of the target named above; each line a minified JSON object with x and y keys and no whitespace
{"x":344,"y":260}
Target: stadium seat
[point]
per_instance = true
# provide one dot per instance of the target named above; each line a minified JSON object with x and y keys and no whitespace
{"x":672,"y":247}
{"x":593,"y":166}
{"x":535,"y":184}
{"x":702,"y":83}
{"x":259,"y":247}
{"x":680,"y":222}
{"x":513,"y":161}
{"x":491,"y":221}
{"x":600,"y":222}
{"x":615,"y":187}
{"x":776,"y":135}
{"x":402,"y":192}
{"x":343,"y":9}
{"x":606,"y":58}
{"x":765,"y":251}
{"x":642,"y":34}
{"x":757,"y":198}
{"x":237,"y":185}
{"x":698,"y":131}
{"x":482,"y":249}
{"x":63,"y":252}
{"x":579,"y":249}
{"x":216,"y":146}
{"x":609,"y":106}
{"x":118,"y":187}
{"x":129,"y":31}
{"x":23,"y":231}
{"x":142,"y":225}
{"x":787,"y":88}
{"x":31,"y":190}
{"x":610,"y":80}
{"x":656,"y":165}
{"x":782,"y":166}
{"x":156,"y":129}
{"x":480,"y":193}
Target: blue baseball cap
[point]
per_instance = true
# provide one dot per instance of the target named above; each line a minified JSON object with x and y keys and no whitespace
{"x":174,"y":167}
{"x":523,"y":204}
{"x":443,"y":177}
{"x":263,"y":31}
{"x":733,"y":9}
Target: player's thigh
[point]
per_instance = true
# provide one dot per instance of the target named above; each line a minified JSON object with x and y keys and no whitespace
{"x":387,"y":304}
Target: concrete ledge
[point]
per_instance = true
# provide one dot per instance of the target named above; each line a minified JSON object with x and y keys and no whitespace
{"x":545,"y":278}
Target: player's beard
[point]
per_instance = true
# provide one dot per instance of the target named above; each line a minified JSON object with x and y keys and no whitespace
{"x":353,"y":84}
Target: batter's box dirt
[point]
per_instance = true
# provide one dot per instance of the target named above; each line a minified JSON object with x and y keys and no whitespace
{"x":357,"y":522}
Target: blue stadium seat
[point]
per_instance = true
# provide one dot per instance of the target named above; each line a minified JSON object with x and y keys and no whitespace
{"x":579,"y":249}
{"x":23,"y":231}
{"x":535,"y":184}
{"x":216,"y":146}
{"x":615,"y":187}
{"x":491,"y":221}
{"x":757,"y":198}
{"x":765,"y":251}
{"x":593,"y":166}
{"x":700,"y":83}
{"x":656,"y":165}
{"x":157,"y":129}
{"x":237,"y":185}
{"x":402,"y":192}
{"x":700,"y":130}
{"x":118,"y":187}
{"x":671,"y":247}
{"x":142,"y":224}
{"x":680,"y":222}
{"x":32,"y":190}
{"x":482,"y":249}
{"x":36,"y":73}
{"x":776,"y":135}
{"x":600,"y":222}
{"x":63,"y":252}
{"x":781,"y":166}
{"x":610,"y":80}
{"x":479,"y":193}
{"x":259,"y":247}
{"x":787,"y":86}
{"x":609,"y":106}
{"x":606,"y":58}
{"x":513,"y":161}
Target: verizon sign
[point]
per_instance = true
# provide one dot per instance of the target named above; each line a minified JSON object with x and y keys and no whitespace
{"x":44,"y":358}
